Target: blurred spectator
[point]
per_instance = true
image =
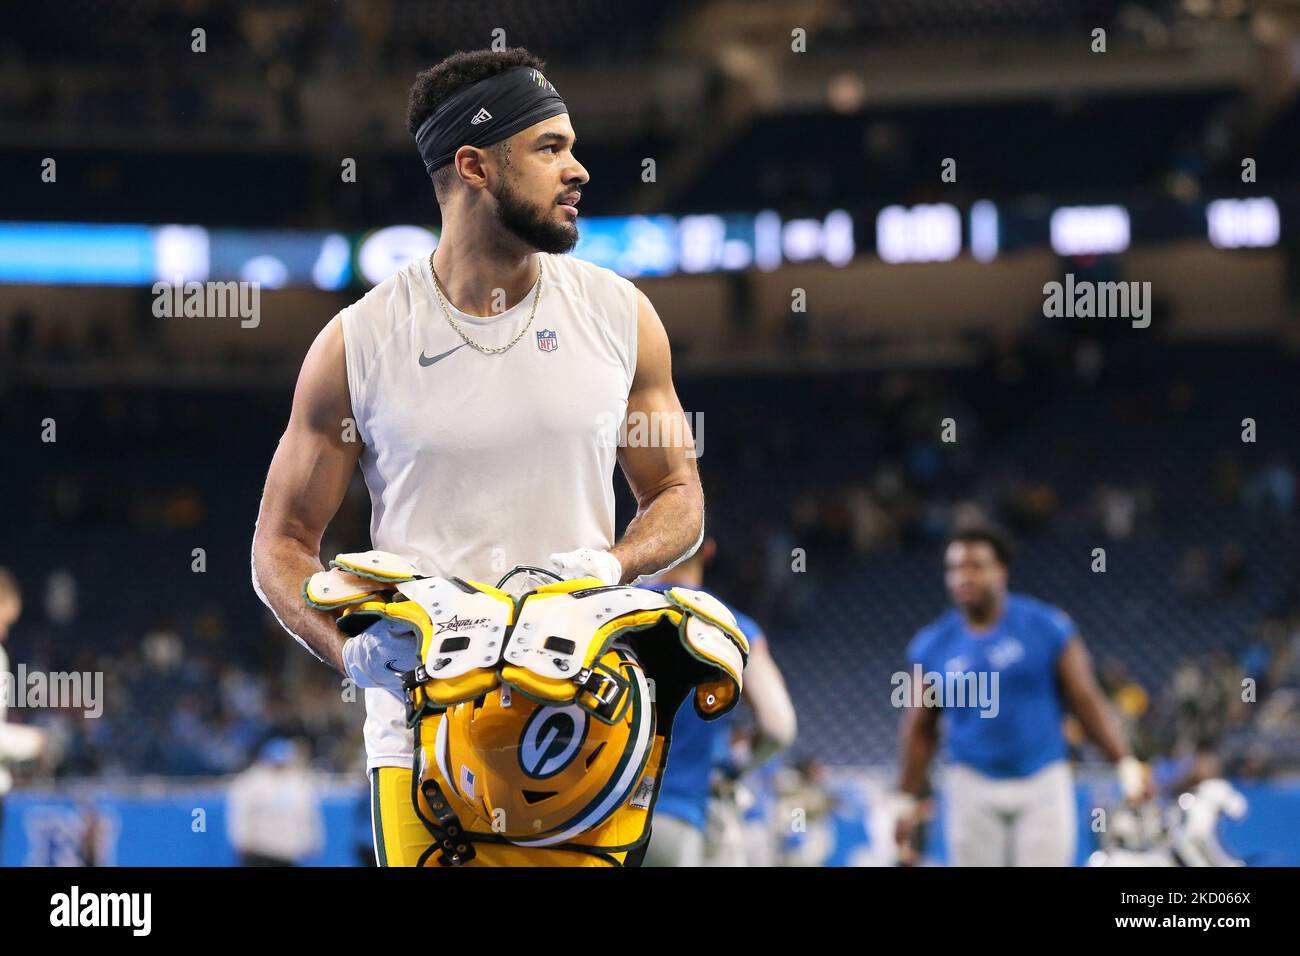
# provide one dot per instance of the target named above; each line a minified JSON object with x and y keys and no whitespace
{"x":1193,"y":581}
{"x":1233,"y":568}
{"x":1272,"y":489}
{"x":1200,"y":701}
{"x":1127,"y":695}
{"x":1117,"y":509}
{"x":274,"y":816}
{"x":16,"y":742}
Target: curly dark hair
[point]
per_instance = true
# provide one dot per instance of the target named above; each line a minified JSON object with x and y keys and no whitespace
{"x":459,"y":70}
{"x":985,"y":533}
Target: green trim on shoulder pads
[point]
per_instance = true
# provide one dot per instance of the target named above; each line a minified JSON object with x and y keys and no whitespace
{"x":336,"y":588}
{"x":383,"y":566}
{"x":704,"y":605}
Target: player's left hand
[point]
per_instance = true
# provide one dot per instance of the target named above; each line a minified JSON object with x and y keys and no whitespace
{"x":587,"y":563}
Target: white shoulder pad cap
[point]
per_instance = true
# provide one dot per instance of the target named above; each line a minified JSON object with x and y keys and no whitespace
{"x":335,"y":588}
{"x":556,"y":635}
{"x":703,"y":605}
{"x":710,"y":643}
{"x":383,"y":566}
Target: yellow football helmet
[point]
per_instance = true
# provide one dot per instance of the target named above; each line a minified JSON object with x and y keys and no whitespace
{"x":542,"y":719}
{"x":540,"y":774}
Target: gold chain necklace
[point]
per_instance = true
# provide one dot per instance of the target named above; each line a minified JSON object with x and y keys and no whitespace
{"x":437,"y":285}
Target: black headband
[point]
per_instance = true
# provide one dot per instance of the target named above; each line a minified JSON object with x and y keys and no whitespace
{"x":486,"y":112}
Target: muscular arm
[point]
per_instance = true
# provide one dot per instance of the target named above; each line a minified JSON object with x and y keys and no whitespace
{"x":766,"y":694}
{"x":1085,"y":700}
{"x":304,"y":487}
{"x":669,"y":522}
{"x":919,"y":738}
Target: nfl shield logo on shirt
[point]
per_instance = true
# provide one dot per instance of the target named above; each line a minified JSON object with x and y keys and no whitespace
{"x":546,"y":341}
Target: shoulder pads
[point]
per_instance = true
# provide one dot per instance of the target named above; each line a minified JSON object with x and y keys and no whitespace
{"x":382,"y":566}
{"x":461,"y":642}
{"x":563,"y":630}
{"x":351,"y":578}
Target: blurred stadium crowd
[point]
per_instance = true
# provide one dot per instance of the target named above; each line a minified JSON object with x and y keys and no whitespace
{"x":853,"y":478}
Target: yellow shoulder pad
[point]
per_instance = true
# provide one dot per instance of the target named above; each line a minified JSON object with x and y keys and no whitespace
{"x":465,"y":625}
{"x":710,"y":633}
{"x":569,"y":586}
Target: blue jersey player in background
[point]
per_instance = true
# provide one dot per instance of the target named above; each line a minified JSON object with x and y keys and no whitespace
{"x":1009,"y":788}
{"x":698,"y":746}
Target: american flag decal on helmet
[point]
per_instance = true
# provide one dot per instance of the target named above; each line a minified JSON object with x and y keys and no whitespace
{"x":641,"y":796}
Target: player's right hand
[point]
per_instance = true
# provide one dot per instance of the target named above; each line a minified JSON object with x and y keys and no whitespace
{"x":1135,"y":780}
{"x":909,"y":818}
{"x":23,"y":742}
{"x":904,"y":830}
{"x":379,"y":655}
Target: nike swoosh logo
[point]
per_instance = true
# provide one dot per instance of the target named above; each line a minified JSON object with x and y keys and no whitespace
{"x":389,"y":665}
{"x":426,"y":361}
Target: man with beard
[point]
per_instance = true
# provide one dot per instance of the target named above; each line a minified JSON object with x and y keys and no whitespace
{"x":487,"y":384}
{"x":1010,"y":791}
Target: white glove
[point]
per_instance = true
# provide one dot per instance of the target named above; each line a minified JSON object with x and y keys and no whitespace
{"x":1133,"y":778}
{"x":587,"y":563}
{"x":379,"y":655}
{"x":21,"y":742}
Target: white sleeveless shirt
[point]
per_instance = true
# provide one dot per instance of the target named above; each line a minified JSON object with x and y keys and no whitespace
{"x":476,"y":463}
